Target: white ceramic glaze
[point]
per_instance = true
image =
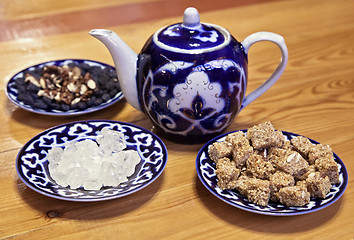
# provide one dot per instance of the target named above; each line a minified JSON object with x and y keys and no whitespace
{"x":191,"y":18}
{"x":279,"y":41}
{"x":125,"y":58}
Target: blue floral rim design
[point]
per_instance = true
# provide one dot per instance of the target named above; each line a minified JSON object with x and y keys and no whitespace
{"x":12,"y":93}
{"x":32,"y":163}
{"x":206,"y":173}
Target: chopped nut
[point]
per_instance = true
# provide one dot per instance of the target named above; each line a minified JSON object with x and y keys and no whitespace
{"x":76,"y":72}
{"x":76,"y":100}
{"x":57,"y":97}
{"x":42,"y":83}
{"x":83,"y":89}
{"x":31,"y":79}
{"x":51,"y":94}
{"x":63,"y":84}
{"x":91,"y":84}
{"x":294,"y":157}
{"x":46,"y":93}
{"x":70,"y":74}
{"x":49,"y":84}
{"x":40,"y":93}
{"x":66,"y":96}
{"x":71,"y":87}
{"x":65,"y":68}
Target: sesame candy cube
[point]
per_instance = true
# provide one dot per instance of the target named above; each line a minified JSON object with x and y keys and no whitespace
{"x":302,"y":183}
{"x":235,"y":135}
{"x":241,"y":150}
{"x":302,"y":145}
{"x":292,"y":162}
{"x":311,"y":169}
{"x":275,"y":153}
{"x":320,"y":151}
{"x":258,"y":167}
{"x":279,"y":180}
{"x":265,"y":136}
{"x":328,"y":167}
{"x":294,"y":196}
{"x":287,"y":145}
{"x":242,"y":184}
{"x":219,"y":150}
{"x":227,"y":173}
{"x":256,"y":190}
{"x":317,"y":185}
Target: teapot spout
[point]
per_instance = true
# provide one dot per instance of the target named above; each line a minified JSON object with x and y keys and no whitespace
{"x":125,"y":61}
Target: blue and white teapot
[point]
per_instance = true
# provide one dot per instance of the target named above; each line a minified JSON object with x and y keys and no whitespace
{"x":190,"y":78}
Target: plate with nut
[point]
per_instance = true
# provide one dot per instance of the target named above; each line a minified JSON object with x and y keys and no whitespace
{"x":65,"y":87}
{"x":281,"y":174}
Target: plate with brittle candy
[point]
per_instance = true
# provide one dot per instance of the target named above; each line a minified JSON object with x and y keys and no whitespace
{"x":206,"y":167}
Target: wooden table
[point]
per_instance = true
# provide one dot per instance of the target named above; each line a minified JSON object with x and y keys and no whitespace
{"x":314,"y":97}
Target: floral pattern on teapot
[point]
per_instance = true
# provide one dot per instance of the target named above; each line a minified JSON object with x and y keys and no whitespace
{"x":198,"y":102}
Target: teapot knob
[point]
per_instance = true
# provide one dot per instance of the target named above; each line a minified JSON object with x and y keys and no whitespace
{"x":191,"y":18}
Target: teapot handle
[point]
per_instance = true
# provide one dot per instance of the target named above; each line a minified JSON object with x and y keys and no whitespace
{"x":278,"y":40}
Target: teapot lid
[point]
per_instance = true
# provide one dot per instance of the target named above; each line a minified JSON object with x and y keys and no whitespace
{"x":191,"y":36}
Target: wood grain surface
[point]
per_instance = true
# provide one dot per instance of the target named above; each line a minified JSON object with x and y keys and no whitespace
{"x":314,"y":97}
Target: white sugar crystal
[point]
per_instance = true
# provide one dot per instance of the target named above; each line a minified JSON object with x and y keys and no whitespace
{"x":75,"y":177}
{"x":92,"y":165}
{"x":92,"y":185}
{"x":109,"y":178}
{"x":132,"y":156}
{"x":53,"y":166}
{"x":70,"y":146}
{"x":54,"y":154}
{"x":66,"y":164}
{"x":130,"y":169}
{"x":59,"y":177}
{"x":87,"y":147}
{"x":111,"y":141}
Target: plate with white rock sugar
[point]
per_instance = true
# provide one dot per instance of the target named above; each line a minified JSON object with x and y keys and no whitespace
{"x":93,"y":160}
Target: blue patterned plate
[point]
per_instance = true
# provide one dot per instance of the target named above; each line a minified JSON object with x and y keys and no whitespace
{"x":206,"y":173}
{"x":32,"y":163}
{"x":12,"y":92}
